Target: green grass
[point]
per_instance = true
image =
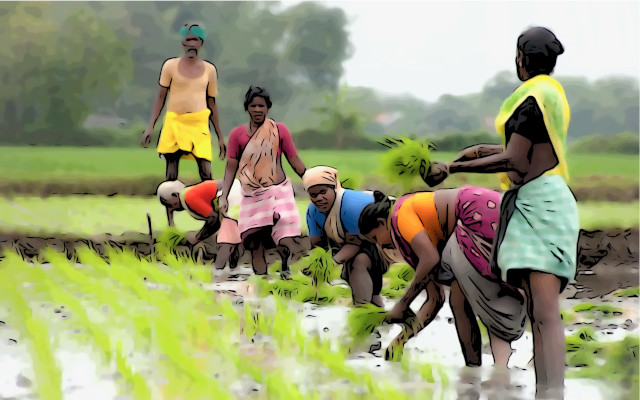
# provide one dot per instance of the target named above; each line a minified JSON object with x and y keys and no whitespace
{"x":88,"y":215}
{"x":602,"y":215}
{"x":66,"y":163}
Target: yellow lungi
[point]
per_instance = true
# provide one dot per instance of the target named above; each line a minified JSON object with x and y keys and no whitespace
{"x":188,"y":132}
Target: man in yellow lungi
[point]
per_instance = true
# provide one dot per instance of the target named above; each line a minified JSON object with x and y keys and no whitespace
{"x":192,"y":86}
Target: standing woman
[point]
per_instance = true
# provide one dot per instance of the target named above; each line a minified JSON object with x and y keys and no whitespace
{"x":537,"y":236}
{"x":268,"y":208}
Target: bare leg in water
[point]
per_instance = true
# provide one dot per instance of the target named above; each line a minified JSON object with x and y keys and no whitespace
{"x":466,"y":326}
{"x":501,"y":350}
{"x":361,"y":282}
{"x":288,"y":246}
{"x":414,"y":324}
{"x":223,"y":255}
{"x":549,"y":343}
{"x":258,"y":260}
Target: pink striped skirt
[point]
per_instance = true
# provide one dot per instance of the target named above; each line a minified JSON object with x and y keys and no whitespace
{"x":273,"y":206}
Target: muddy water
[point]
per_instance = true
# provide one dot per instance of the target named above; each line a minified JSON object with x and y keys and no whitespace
{"x":438,"y":343}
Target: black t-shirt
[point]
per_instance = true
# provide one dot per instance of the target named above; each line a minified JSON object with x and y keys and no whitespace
{"x":527,"y":121}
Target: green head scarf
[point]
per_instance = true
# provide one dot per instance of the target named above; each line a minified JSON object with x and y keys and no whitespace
{"x":196,"y":30}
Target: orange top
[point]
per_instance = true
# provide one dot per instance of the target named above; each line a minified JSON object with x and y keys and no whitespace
{"x":188,"y":94}
{"x":199,"y":198}
{"x":418,"y":213}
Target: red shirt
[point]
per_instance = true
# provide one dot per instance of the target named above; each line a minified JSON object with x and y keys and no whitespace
{"x":199,"y":198}
{"x":239,"y":137}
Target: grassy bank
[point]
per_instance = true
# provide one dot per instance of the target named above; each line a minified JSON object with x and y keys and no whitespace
{"x":87,"y":215}
{"x":71,"y":163}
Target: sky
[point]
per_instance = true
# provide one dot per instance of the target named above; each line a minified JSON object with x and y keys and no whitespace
{"x":431,"y":48}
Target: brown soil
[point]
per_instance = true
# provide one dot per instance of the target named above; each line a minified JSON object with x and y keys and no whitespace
{"x":147,"y":187}
{"x":607,"y":260}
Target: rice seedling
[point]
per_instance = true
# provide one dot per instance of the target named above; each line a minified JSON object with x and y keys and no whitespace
{"x":320,"y":266}
{"x":48,"y":377}
{"x":197,"y":344}
{"x":399,"y":276}
{"x":168,"y":240}
{"x":567,"y":315}
{"x":402,"y":272}
{"x":101,"y":337}
{"x":310,"y":282}
{"x":615,"y":361}
{"x":628,"y":292}
{"x":406,"y":159}
{"x":576,"y":341}
{"x":392,"y":293}
{"x":364,"y":319}
{"x":601,"y":308}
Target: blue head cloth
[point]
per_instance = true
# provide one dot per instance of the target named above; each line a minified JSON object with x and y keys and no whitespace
{"x":196,"y":30}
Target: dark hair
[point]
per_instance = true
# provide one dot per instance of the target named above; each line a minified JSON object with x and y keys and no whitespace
{"x":256,"y":91}
{"x":380,"y":208}
{"x":540,"y":48}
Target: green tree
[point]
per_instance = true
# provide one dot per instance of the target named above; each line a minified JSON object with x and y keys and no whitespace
{"x":343,"y":119}
{"x":317,"y":41}
{"x":64,"y":69}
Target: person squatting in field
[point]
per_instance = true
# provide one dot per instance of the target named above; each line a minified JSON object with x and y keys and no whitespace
{"x":199,"y":201}
{"x":192,"y":87}
{"x":537,"y":238}
{"x":268,"y":212}
{"x":446,"y":236}
{"x":332,"y":219}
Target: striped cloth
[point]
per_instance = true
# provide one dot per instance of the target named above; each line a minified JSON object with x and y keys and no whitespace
{"x":273,"y":206}
{"x":538,"y":230}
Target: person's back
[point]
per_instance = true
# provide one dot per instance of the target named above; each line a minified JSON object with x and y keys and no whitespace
{"x":471,"y":213}
{"x":198,"y":199}
{"x":477,"y":213}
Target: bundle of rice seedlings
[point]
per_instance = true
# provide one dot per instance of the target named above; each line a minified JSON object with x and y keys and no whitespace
{"x":288,"y":288}
{"x":325,"y":294}
{"x":404,"y":272}
{"x":363,"y":320}
{"x":391,"y":293}
{"x":319,"y":266}
{"x":628,"y":292}
{"x":406,"y":159}
{"x":576,"y":341}
{"x":168,"y":241}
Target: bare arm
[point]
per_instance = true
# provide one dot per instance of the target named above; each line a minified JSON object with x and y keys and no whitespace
{"x":297,"y":165}
{"x":289,"y":150}
{"x":478,"y":151}
{"x":211,"y":226}
{"x":349,"y":250}
{"x":428,"y":258}
{"x":157,"y":109}
{"x":229,"y":175}
{"x":158,"y":105}
{"x":213,"y":106}
{"x":319,"y":241}
{"x":170,"y":216}
{"x":514,"y":158}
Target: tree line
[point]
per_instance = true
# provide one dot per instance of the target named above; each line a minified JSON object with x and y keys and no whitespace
{"x":85,"y":73}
